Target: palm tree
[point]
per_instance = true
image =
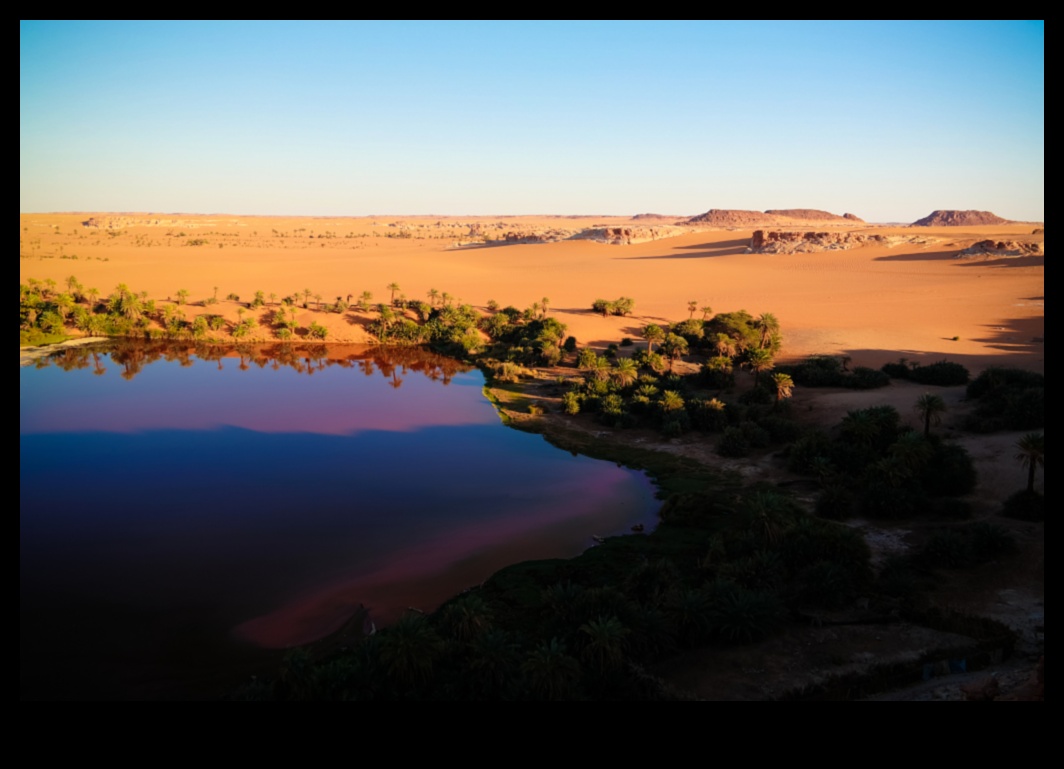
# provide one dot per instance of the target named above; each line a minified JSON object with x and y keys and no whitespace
{"x":393,"y":287}
{"x":769,"y":326}
{"x":725,"y":345}
{"x":433,"y":294}
{"x":550,"y":672}
{"x":605,"y":643}
{"x":675,"y":346}
{"x":759,"y":360}
{"x":691,"y":307}
{"x":706,"y":311}
{"x":1032,"y":455}
{"x":625,"y":372}
{"x":125,"y":303}
{"x":654,"y":334}
{"x":784,"y":386}
{"x":671,"y":401}
{"x":930,"y":408}
{"x":409,"y":649}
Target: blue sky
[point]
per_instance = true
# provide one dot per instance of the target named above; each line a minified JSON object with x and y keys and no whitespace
{"x":888,"y":120}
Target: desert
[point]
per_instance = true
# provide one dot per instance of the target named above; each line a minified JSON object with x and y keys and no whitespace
{"x":908,"y":298}
{"x":490,"y":360}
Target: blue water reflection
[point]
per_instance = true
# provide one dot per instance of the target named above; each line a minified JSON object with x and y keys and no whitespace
{"x":183,"y":511}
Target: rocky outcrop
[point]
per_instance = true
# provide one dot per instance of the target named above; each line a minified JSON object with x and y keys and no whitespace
{"x":779,"y":242}
{"x":812,"y":215}
{"x":626,"y":236}
{"x":614,"y":236}
{"x":535,"y":236}
{"x":951,"y":218}
{"x":1003,"y":248}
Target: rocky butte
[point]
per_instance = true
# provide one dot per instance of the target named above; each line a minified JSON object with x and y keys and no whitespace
{"x":951,"y":218}
{"x":731,"y":217}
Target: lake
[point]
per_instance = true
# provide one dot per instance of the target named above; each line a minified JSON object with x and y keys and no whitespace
{"x":187,"y":512}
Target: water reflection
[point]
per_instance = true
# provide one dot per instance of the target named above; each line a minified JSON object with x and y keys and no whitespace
{"x":183,"y":507}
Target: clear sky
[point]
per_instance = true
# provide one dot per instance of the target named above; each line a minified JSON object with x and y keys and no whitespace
{"x":887,"y":120}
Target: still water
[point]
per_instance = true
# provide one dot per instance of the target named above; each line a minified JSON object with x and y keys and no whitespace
{"x":185,"y":513}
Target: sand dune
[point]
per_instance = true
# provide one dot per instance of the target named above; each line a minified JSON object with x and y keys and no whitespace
{"x":875,"y":303}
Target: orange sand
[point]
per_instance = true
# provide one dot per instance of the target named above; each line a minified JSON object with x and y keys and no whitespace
{"x":874,"y":303}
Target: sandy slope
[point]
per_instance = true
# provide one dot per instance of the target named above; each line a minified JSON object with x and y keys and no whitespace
{"x":873,"y":303}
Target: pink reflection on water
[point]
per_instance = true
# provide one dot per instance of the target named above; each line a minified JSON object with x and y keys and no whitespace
{"x":425,"y":574}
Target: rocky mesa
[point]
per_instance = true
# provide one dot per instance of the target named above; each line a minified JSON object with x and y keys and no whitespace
{"x":953,"y":218}
{"x":732,"y":217}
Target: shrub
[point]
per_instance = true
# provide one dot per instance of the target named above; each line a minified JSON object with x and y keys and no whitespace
{"x":864,"y":378}
{"x":899,"y":370}
{"x":1025,"y":505}
{"x":805,"y":452}
{"x":949,"y":472}
{"x":941,"y":374}
{"x":990,"y":540}
{"x":816,"y":371}
{"x":759,"y":395}
{"x":948,"y":547}
{"x":998,"y":378}
{"x":733,"y":443}
{"x":835,"y":503}
{"x":757,"y":436}
{"x":743,"y":616}
{"x":780,"y":429}
{"x":571,"y":403}
{"x":707,"y":415}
